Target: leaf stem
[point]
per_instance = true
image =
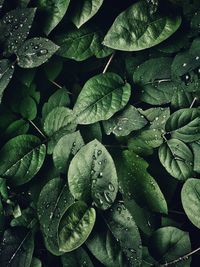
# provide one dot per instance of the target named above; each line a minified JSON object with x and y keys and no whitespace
{"x":185,"y":257}
{"x":56,"y":84}
{"x":193,"y":102}
{"x":116,"y":146}
{"x":108,"y":63}
{"x":35,"y":126}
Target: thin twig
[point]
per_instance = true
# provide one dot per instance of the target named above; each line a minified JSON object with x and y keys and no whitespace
{"x":185,"y":257}
{"x":116,"y":146}
{"x":108,"y":63}
{"x":177,"y":212}
{"x":39,"y":131}
{"x":59,"y":86}
{"x":193,"y":101}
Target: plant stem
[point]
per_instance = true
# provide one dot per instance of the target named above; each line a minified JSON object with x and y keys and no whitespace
{"x":108,"y":63}
{"x":39,"y":131}
{"x":185,"y":257}
{"x":116,"y":146}
{"x":177,"y":212}
{"x":193,"y":101}
{"x":56,"y":84}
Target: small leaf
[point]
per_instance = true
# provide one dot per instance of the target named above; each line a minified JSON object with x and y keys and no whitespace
{"x":17,"y":248}
{"x":58,"y":99}
{"x":77,"y":258}
{"x":101,"y":97}
{"x":139,"y":28}
{"x":21,"y":158}
{"x":138,"y":184}
{"x":55,"y":11}
{"x":84,"y":11}
{"x":124,"y":229}
{"x":184,"y":124}
{"x":190,"y":197}
{"x":168,"y":244}
{"x":6,"y":73}
{"x":93,"y":169}
{"x":66,"y":148}
{"x":28,"y":108}
{"x":75,"y":226}
{"x":17,"y":26}
{"x":34,"y":52}
{"x":36,"y":262}
{"x":177,"y":159}
{"x":53,"y":202}
{"x":124,"y":123}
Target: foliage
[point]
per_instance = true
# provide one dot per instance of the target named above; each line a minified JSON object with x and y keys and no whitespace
{"x":100,"y":133}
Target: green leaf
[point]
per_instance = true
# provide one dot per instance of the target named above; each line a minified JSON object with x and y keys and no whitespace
{"x":124,"y":123}
{"x":195,"y":149}
{"x":53,"y":202}
{"x":177,"y":159}
{"x":75,"y":226}
{"x":184,"y":124}
{"x":139,"y":28}
{"x":58,"y":99}
{"x":154,"y":79}
{"x":168,"y":244}
{"x":35,"y":52}
{"x":21,"y":158}
{"x":82,"y":44}
{"x":144,"y":219}
{"x":36,"y":262}
{"x":17,"y":248}
{"x":55,"y":11}
{"x":53,"y":68}
{"x":26,"y":219}
{"x":17,"y":25}
{"x":84,"y":11}
{"x":190,"y":197}
{"x":93,"y":169}
{"x":101,"y":97}
{"x":136,"y":183}
{"x":28,"y":108}
{"x":6,"y":73}
{"x":65,"y":149}
{"x":77,"y":258}
{"x":124,"y":229}
{"x":17,"y":127}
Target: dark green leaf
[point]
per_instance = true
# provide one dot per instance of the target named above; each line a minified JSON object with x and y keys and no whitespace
{"x":21,"y":158}
{"x":94,"y":171}
{"x":139,"y":28}
{"x":75,"y":226}
{"x":190,"y":197}
{"x":177,"y":159}
{"x":35,"y":52}
{"x":101,"y":97}
{"x":55,"y":10}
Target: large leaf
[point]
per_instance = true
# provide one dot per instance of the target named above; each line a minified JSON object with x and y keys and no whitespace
{"x":81,"y":44}
{"x":101,"y":97}
{"x":75,"y":226}
{"x":17,"y":26}
{"x":139,"y":28}
{"x":77,"y":258}
{"x":6,"y":73}
{"x":184,"y":124}
{"x":35,"y":51}
{"x":93,"y":170}
{"x":124,"y":123}
{"x":55,"y":12}
{"x":177,"y":159}
{"x":123,"y":227}
{"x":190,"y":197}
{"x":85,"y":10}
{"x":168,"y":244}
{"x":53,"y":202}
{"x":138,"y":184}
{"x":17,"y":248}
{"x":21,"y":158}
{"x":65,"y":149}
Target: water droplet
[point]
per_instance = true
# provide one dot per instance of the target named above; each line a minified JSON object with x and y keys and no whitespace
{"x":99,"y":152}
{"x":197,"y":57}
{"x":107,"y":197}
{"x":42,"y":52}
{"x":184,"y":65}
{"x":100,"y":175}
{"x":119,"y":128}
{"x":100,"y":162}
